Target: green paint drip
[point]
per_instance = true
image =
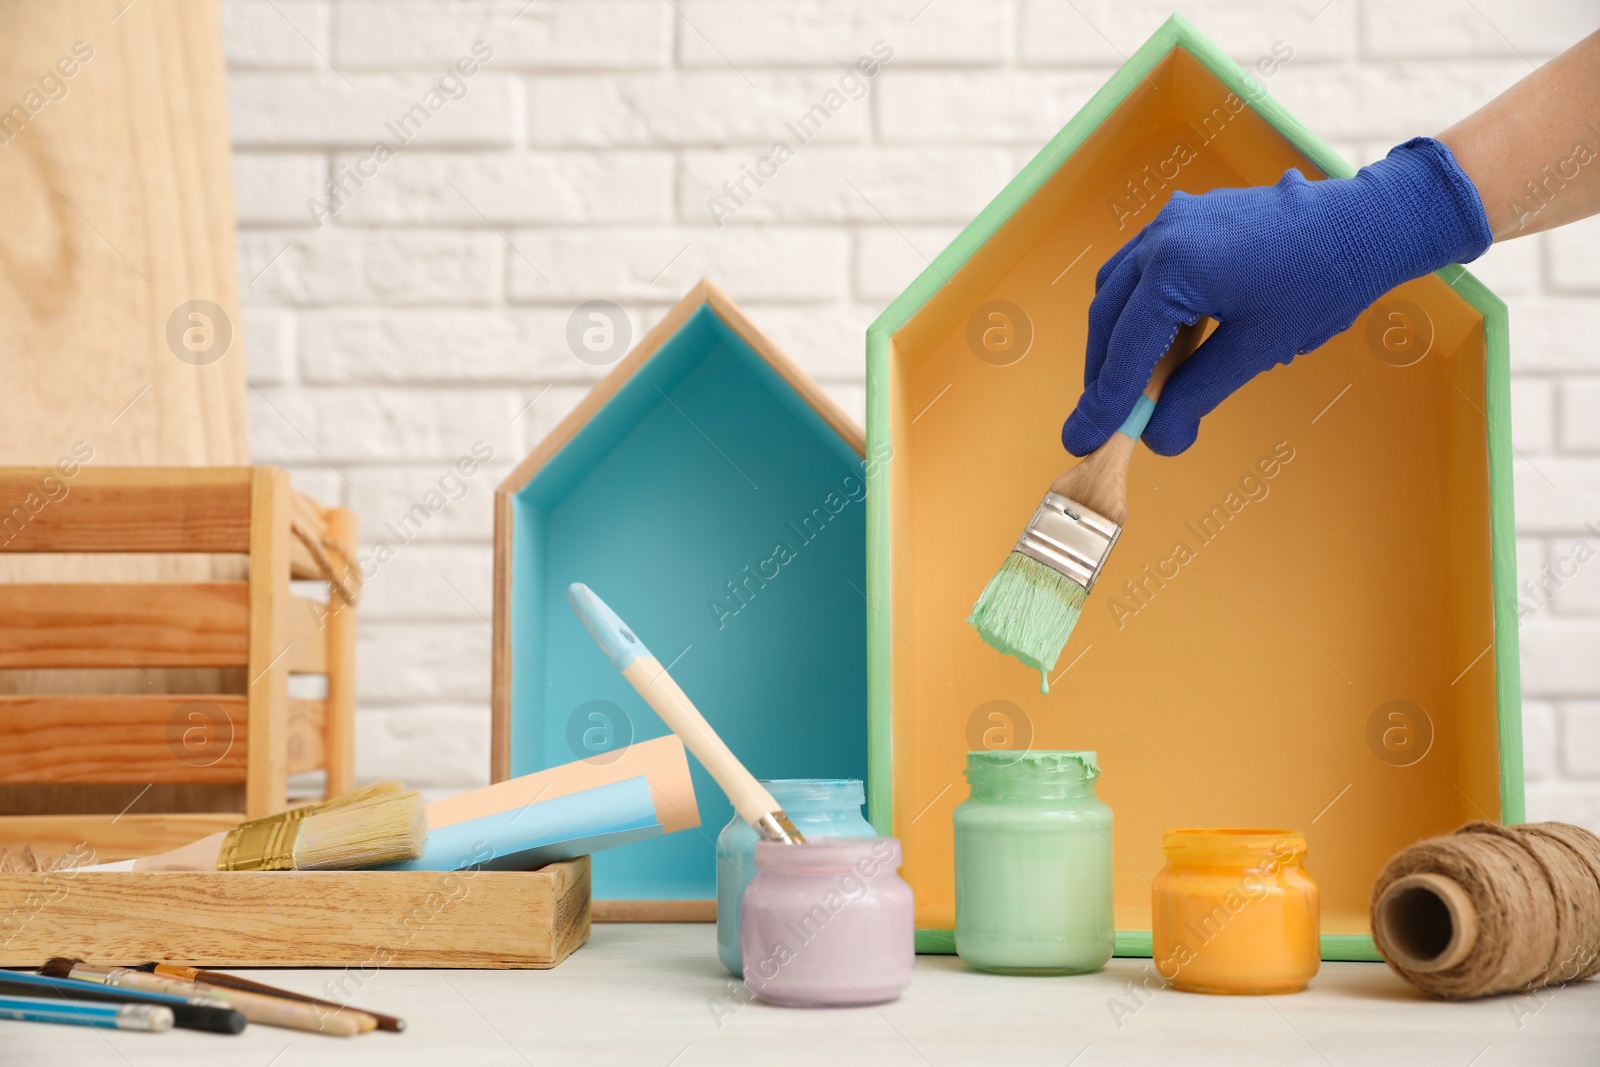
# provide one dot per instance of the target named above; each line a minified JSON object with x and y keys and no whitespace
{"x":1028,"y":611}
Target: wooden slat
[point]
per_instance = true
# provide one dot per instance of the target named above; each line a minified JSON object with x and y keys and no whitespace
{"x":268,"y":693}
{"x":130,"y":624}
{"x":308,"y":635}
{"x":339,"y":728}
{"x":655,"y":911}
{"x":300,"y":918}
{"x":305,"y":749}
{"x":128,"y":509}
{"x":303,"y":565}
{"x":110,"y":837}
{"x":122,"y":739}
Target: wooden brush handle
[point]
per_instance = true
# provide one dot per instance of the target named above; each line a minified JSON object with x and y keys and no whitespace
{"x":271,"y":1011}
{"x":646,"y":674}
{"x":748,"y":796}
{"x":1099,"y":481}
{"x":1182,"y":347}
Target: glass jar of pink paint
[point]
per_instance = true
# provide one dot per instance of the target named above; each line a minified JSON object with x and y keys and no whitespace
{"x":828,"y":923}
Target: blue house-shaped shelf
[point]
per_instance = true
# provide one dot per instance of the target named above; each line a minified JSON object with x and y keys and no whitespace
{"x":713,"y":495}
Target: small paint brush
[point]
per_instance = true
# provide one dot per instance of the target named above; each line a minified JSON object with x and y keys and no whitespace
{"x":1029,"y":608}
{"x":270,"y":1011}
{"x":188,"y":1013}
{"x":646,"y":674}
{"x":221,"y":980}
{"x":377,"y":824}
{"x":153,"y":1018}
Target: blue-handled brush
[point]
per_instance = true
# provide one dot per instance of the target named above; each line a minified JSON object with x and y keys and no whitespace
{"x":646,"y":674}
{"x":153,"y":1018}
{"x":1029,"y":608}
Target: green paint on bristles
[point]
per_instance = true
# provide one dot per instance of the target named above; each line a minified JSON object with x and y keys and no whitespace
{"x":1028,"y":611}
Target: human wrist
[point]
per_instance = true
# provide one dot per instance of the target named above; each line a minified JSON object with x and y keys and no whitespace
{"x":1419,"y":212}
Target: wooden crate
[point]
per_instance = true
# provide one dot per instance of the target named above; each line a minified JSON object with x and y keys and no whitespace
{"x":253,"y":737}
{"x":351,"y":919}
{"x":675,"y":477}
{"x":1347,"y":671}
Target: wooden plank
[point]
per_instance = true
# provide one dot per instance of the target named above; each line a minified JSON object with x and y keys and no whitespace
{"x":655,"y":911}
{"x":478,"y":919}
{"x":111,"y":837}
{"x":339,"y":728}
{"x":305,"y":749}
{"x":157,"y":739}
{"x":125,"y":186}
{"x":308,"y":635}
{"x":128,"y":624}
{"x":268,"y":691}
{"x":41,"y":512}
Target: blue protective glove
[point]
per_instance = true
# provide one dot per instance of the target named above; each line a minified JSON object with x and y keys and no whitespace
{"x":1281,"y":268}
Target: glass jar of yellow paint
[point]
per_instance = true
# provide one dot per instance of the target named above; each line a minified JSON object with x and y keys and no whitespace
{"x":1033,"y":865}
{"x":1234,"y":911}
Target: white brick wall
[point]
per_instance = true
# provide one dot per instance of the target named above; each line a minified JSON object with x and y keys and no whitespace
{"x":574,"y":164}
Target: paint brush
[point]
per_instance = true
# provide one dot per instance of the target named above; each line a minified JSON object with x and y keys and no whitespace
{"x":188,"y":1013}
{"x":153,"y":1018}
{"x":646,"y":674}
{"x":377,"y":824}
{"x":1029,"y":608}
{"x":270,"y":1011}
{"x":220,"y":980}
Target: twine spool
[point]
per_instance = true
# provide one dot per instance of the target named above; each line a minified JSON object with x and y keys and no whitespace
{"x":1492,"y":909}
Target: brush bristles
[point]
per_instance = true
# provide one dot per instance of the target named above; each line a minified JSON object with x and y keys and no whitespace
{"x":367,"y":828}
{"x":365,"y":795}
{"x":1028,"y":611}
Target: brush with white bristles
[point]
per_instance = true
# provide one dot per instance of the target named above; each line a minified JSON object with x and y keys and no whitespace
{"x":1029,"y":608}
{"x":377,"y":824}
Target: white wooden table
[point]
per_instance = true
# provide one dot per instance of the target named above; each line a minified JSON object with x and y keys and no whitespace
{"x":656,"y":996}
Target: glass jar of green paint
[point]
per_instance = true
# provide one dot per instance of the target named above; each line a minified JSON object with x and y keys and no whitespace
{"x":1033,"y":865}
{"x":818,"y":807}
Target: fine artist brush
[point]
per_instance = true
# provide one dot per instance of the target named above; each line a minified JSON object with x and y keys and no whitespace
{"x":1030,"y":606}
{"x":646,"y":674}
{"x":293,"y":1015}
{"x":221,"y":980}
{"x":151,"y":1017}
{"x":377,"y":824}
{"x":188,"y":1013}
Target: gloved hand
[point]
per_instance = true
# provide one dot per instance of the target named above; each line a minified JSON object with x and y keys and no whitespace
{"x":1281,"y":268}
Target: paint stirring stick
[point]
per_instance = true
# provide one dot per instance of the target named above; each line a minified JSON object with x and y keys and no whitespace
{"x":646,"y":674}
{"x":149,"y":1017}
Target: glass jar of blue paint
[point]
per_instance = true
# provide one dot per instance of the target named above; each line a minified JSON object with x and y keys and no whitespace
{"x":818,"y":807}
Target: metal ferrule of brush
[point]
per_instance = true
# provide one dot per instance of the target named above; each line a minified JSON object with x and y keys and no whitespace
{"x":775,"y":826}
{"x":1069,"y":538}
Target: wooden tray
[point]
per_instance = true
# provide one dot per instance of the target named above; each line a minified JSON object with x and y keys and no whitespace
{"x":678,"y":474}
{"x":482,"y":919}
{"x":1339,"y":654}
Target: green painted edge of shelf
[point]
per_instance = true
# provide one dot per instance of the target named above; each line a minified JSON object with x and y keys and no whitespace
{"x":1175,"y":32}
{"x":1136,"y":944}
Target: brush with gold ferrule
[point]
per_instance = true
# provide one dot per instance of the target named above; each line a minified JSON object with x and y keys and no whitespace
{"x":1029,"y":608}
{"x":377,"y":824}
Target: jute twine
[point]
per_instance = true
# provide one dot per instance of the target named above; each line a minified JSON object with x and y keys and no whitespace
{"x":1536,"y":888}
